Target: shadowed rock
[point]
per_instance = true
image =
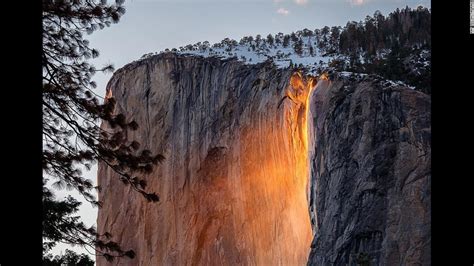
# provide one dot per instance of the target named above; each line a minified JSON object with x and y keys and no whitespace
{"x":370,"y":174}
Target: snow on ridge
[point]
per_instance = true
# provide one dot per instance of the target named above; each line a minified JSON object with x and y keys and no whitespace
{"x":299,"y":50}
{"x":305,"y":49}
{"x":387,"y":82}
{"x":280,"y":55}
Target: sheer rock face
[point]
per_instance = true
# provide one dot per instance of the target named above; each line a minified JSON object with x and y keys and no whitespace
{"x":370,"y":175}
{"x":243,"y":185}
{"x":233,"y":187}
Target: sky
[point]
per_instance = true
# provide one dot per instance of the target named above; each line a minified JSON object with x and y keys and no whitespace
{"x":154,"y":25}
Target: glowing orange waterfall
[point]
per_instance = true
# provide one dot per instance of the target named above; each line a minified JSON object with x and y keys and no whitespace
{"x":299,"y":91}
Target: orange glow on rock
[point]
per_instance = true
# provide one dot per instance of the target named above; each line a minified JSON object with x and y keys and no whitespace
{"x":239,"y":201}
{"x":299,"y":92}
{"x":108,"y":94}
{"x":324,"y":76}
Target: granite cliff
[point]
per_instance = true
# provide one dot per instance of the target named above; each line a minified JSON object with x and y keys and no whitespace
{"x":370,"y":174}
{"x":268,"y":166}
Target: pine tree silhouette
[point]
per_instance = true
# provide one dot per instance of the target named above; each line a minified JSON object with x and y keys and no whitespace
{"x":72,"y":136}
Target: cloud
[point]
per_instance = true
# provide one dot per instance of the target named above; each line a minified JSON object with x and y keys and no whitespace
{"x":283,"y":11}
{"x":277,"y":1}
{"x":301,"y":2}
{"x":358,"y":2}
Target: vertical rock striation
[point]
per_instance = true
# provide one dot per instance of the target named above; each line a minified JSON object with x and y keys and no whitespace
{"x":250,"y":176}
{"x":233,"y":187}
{"x":370,"y":174}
